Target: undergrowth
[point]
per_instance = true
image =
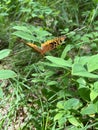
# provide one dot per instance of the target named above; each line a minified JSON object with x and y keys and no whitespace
{"x":57,"y":91}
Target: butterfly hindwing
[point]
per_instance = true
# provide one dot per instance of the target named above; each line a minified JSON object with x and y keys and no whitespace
{"x":34,"y":47}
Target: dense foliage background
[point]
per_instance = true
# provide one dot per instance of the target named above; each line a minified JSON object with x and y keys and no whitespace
{"x":57,"y":91}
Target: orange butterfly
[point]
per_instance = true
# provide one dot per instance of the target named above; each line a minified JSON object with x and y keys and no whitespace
{"x":48,"y":45}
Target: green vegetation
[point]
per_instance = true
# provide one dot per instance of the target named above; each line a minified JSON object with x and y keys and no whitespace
{"x":57,"y":91}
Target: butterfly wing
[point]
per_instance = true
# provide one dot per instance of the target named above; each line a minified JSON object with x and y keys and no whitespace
{"x":34,"y":47}
{"x":51,"y":44}
{"x":48,"y":45}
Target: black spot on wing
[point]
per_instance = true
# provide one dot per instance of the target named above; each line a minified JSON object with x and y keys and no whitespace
{"x":53,"y":44}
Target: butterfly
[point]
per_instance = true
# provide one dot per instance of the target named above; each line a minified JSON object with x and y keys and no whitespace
{"x":48,"y":45}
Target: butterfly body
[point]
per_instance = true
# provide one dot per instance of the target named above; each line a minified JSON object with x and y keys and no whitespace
{"x":48,"y":45}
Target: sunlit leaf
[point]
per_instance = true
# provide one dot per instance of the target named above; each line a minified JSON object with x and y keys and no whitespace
{"x":67,"y":48}
{"x":23,"y":35}
{"x":91,"y":109}
{"x":59,"y":61}
{"x":75,"y":121}
{"x":4,"y":53}
{"x":5,"y":74}
{"x":79,"y":70}
{"x":92,"y":63}
{"x":22,"y":28}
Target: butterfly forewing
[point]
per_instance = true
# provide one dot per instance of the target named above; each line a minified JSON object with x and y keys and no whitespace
{"x":51,"y":44}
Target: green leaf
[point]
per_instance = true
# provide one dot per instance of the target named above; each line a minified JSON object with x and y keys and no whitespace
{"x":96,"y":106}
{"x":4,"y":53}
{"x":62,"y":121}
{"x":1,"y":93}
{"x":52,"y":83}
{"x":75,"y":122}
{"x":5,"y":74}
{"x":60,"y":105}
{"x":67,"y":48}
{"x":84,"y":93}
{"x":95,"y":87}
{"x":22,"y":28}
{"x":72,"y":33}
{"x":69,"y":104}
{"x":92,"y":63}
{"x":59,"y":61}
{"x":93,"y":95}
{"x":72,"y":103}
{"x":85,"y":39}
{"x":89,"y":110}
{"x":58,"y":116}
{"x":82,"y":60}
{"x":83,"y":89}
{"x":82,"y":82}
{"x":89,"y":35}
{"x":24,"y":35}
{"x":79,"y":70}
